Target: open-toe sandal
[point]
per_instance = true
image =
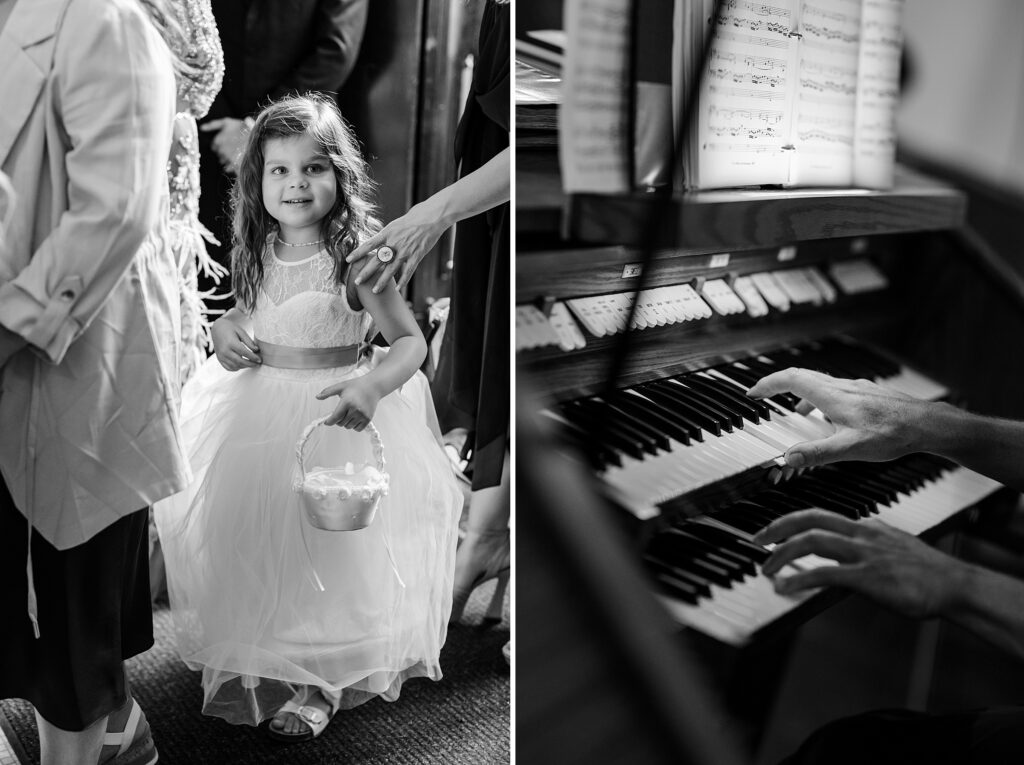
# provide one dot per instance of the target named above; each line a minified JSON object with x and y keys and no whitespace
{"x":315,"y":720}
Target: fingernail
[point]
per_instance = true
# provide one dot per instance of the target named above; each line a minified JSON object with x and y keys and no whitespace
{"x":795,"y":459}
{"x":358,"y":280}
{"x":783,"y":585}
{"x":376,"y":290}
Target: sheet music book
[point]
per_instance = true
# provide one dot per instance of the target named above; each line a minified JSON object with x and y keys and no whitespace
{"x":594,"y":137}
{"x":796,"y":92}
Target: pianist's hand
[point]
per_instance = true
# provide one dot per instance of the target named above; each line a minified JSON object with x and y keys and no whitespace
{"x":872,"y":423}
{"x":890,"y":566}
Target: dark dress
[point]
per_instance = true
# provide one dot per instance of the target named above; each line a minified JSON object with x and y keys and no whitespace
{"x":474,"y":363}
{"x":94,"y":612}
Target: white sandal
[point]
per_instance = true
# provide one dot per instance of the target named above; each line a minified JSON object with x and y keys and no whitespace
{"x":315,"y":719}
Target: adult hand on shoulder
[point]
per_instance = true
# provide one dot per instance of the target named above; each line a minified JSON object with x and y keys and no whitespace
{"x":229,"y":141}
{"x":233,"y":347}
{"x":872,"y":423}
{"x":357,"y":403}
{"x":890,"y":566}
{"x":410,"y":238}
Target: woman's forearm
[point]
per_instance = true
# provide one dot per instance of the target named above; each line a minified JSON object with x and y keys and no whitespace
{"x":484,"y":188}
{"x":402,"y":360}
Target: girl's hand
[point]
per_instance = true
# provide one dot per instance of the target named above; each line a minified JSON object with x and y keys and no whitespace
{"x":410,"y":237}
{"x":233,"y":347}
{"x":357,"y":403}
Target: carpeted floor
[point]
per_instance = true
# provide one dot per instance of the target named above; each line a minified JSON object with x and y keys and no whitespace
{"x":461,"y":720}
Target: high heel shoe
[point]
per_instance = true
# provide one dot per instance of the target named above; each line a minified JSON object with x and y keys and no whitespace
{"x":486,"y":556}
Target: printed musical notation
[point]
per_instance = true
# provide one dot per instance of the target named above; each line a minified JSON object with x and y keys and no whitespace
{"x":758,"y":8}
{"x":752,"y":78}
{"x":874,"y":145}
{"x":744,"y":148}
{"x":814,"y":11}
{"x":828,"y":86}
{"x":593,"y":130}
{"x":768,"y":42}
{"x":761,"y":95}
{"x":767,"y":116}
{"x":829,"y":33}
{"x":825,"y":69}
{"x":823,"y":136}
{"x":755,"y":25}
{"x":752,"y":133}
{"x":751,"y":62}
{"x":784,"y":86}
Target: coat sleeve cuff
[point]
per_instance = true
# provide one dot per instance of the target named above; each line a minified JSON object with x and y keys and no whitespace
{"x":48,"y":326}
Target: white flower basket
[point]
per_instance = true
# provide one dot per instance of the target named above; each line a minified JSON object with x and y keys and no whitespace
{"x":341,"y":498}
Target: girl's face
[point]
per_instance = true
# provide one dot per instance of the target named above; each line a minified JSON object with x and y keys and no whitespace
{"x":299,"y":188}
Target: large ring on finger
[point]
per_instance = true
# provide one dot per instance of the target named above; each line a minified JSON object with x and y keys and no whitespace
{"x":385,"y":254}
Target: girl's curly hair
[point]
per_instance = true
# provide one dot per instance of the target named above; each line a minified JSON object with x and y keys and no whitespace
{"x":348,"y":223}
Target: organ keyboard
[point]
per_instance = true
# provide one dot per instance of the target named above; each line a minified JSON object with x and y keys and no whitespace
{"x":694,"y":464}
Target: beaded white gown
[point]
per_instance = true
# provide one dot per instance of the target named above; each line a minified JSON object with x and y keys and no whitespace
{"x":243,"y":563}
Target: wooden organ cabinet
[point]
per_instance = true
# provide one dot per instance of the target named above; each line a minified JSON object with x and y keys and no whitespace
{"x":879,"y":285}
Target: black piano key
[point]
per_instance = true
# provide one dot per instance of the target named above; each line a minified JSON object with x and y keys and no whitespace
{"x":736,"y":390}
{"x":610,"y":433}
{"x":725,"y":410}
{"x":717,"y":551}
{"x":861,"y":505}
{"x":701,"y":583}
{"x":582,"y":440}
{"x":686,"y":558}
{"x":747,"y":516}
{"x":742,"y":405}
{"x":725,"y":419}
{"x":697,"y":549}
{"x":720,"y":536}
{"x":737,"y":412}
{"x":651,"y":414}
{"x":603,"y":413}
{"x":676,"y":587}
{"x":879,"y":491}
{"x":699,"y":586}
{"x":668,"y":407}
{"x":825,"y":502}
{"x":643,"y":425}
{"x":680,"y":403}
{"x":748,"y":378}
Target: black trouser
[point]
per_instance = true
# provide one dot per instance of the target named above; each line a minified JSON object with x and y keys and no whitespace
{"x":94,"y":612}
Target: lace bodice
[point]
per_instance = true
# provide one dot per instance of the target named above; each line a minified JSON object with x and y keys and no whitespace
{"x":300,"y":305}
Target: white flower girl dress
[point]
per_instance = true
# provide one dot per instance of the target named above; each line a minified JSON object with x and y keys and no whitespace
{"x":244,"y":565}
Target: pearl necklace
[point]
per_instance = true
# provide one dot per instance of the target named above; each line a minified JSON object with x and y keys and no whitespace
{"x":301,"y":244}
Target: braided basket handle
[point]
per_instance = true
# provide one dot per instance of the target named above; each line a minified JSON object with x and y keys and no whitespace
{"x":370,"y":430}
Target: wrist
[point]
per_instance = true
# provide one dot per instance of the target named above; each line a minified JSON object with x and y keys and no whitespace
{"x":441,"y":208}
{"x":938,"y":428}
{"x":960,"y":584}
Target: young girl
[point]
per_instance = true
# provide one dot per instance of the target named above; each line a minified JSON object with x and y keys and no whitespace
{"x":287,"y":621}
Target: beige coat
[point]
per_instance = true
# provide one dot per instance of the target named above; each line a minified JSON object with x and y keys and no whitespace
{"x":88,"y":411}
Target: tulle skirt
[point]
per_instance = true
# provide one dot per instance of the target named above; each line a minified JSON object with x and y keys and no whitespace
{"x":266,"y":605}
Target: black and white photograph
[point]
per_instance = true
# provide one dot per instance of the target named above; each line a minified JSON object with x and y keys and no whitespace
{"x":769,"y":448}
{"x":254,"y":381}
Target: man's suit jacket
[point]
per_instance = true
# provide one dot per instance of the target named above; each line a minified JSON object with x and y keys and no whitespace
{"x":88,"y":410}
